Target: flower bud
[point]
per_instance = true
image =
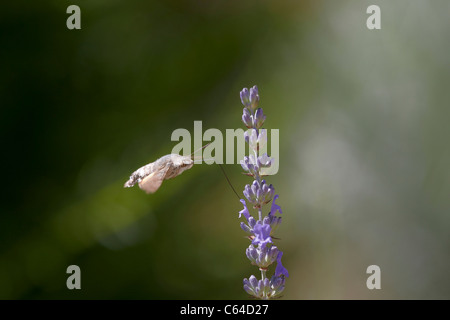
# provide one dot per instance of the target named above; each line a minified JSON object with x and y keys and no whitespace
{"x":254,"y":97}
{"x":262,"y":138}
{"x":245,"y":227}
{"x":253,"y":281}
{"x":276,"y":286}
{"x":247,"y":118}
{"x":264,"y":161}
{"x":251,"y":137}
{"x":266,"y":283}
{"x":251,"y":222}
{"x":267,"y":288}
{"x":274,"y":223}
{"x":259,"y":118}
{"x":249,"y":164}
{"x":245,"y":97}
{"x":252,"y":254}
{"x":250,"y":194}
{"x":262,"y":257}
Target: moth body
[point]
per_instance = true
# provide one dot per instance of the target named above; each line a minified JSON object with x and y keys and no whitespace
{"x":151,"y":176}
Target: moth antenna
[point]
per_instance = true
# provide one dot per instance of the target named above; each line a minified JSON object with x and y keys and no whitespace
{"x":223,"y":170}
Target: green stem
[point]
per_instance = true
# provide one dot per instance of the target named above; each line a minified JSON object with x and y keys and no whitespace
{"x":263,"y":276}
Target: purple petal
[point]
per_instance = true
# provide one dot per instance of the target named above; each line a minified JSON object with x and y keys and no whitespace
{"x":279,"y":270}
{"x":275,"y":207}
{"x":244,"y":211}
{"x":262,"y":234}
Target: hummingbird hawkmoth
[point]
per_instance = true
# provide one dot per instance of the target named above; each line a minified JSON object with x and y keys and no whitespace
{"x":151,"y":176}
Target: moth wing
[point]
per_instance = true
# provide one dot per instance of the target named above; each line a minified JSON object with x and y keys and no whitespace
{"x":153,"y":181}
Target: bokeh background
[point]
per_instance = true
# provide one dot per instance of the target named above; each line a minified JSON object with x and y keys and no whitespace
{"x":364,"y":146}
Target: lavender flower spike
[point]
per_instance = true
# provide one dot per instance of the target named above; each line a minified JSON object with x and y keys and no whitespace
{"x":261,"y":252}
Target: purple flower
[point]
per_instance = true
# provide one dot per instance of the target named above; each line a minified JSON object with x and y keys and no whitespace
{"x":279,"y":270}
{"x":275,"y":207}
{"x":262,"y":234}
{"x":244,"y":211}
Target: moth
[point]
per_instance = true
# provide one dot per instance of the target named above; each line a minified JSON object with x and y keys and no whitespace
{"x":151,"y":176}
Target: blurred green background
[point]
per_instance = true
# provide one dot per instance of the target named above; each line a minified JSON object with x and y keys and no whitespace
{"x":364,"y":158}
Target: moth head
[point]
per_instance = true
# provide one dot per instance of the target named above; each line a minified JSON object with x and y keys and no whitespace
{"x":182,"y":161}
{"x":187,"y":163}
